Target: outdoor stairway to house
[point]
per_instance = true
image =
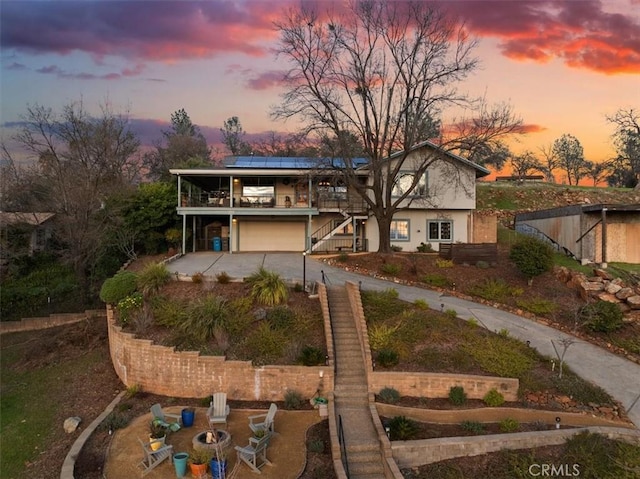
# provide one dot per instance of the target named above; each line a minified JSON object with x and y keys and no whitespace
{"x":351,"y":392}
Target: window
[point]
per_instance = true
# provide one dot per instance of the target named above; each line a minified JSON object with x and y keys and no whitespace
{"x":440,"y":230}
{"x":403,"y":183}
{"x":400,"y":230}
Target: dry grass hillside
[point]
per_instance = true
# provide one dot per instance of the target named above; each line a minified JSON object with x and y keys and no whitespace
{"x":507,"y":199}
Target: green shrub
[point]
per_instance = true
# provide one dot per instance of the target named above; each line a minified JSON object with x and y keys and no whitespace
{"x":343,"y":257}
{"x":472,"y":426}
{"x":316,"y":446}
{"x":501,"y":356}
{"x":114,"y":421}
{"x":601,"y":457}
{"x":491,"y":289}
{"x":121,"y":285}
{"x":293,"y":400}
{"x":444,"y":263}
{"x":153,"y":277}
{"x":391,"y":268}
{"x":493,"y":398}
{"x":396,"y":248}
{"x":601,"y":316}
{"x":436,"y":280}
{"x":531,"y":256}
{"x":402,"y":429}
{"x":387,"y":358}
{"x":451,"y":313}
{"x":268,"y":288}
{"x":537,"y":306}
{"x":281,"y":317}
{"x":421,"y":304}
{"x":197,"y":278}
{"x":425,"y":248}
{"x":381,"y":336}
{"x":457,"y":396}
{"x":223,"y":278}
{"x":311,"y":356}
{"x":204,"y":317}
{"x":266,"y":344}
{"x":482,"y":264}
{"x":128,"y":306}
{"x":389,"y":395}
{"x":509,"y":425}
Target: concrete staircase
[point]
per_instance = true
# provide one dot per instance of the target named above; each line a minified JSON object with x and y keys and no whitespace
{"x":364,"y":458}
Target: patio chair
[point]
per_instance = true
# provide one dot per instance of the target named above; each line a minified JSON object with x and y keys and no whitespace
{"x":165,"y":419}
{"x":264,"y":422}
{"x":218,"y":409}
{"x":254,"y":454}
{"x":153,"y":458}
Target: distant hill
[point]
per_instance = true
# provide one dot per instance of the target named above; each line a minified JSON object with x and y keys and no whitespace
{"x":507,"y":199}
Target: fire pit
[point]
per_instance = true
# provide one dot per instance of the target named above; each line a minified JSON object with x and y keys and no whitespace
{"x":222,"y":440}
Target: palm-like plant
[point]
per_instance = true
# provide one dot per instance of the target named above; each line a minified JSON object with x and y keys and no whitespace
{"x":150,"y":280}
{"x":268,"y":288}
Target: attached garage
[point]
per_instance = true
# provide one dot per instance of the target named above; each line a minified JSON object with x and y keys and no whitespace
{"x":271,"y":235}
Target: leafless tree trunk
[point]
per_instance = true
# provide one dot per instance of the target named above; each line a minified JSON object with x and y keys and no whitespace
{"x":384,"y":72}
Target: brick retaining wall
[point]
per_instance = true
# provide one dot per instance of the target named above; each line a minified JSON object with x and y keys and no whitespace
{"x":51,"y":321}
{"x":437,"y":385}
{"x":428,"y":451}
{"x":162,"y":370}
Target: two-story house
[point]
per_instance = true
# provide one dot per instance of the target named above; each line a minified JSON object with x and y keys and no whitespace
{"x":301,"y":204}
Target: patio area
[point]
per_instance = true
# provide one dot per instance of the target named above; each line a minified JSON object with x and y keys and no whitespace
{"x":287,"y":451}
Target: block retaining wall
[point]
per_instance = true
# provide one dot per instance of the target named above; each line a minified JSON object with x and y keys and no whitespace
{"x":165,"y":371}
{"x":51,"y":321}
{"x":427,"y":451}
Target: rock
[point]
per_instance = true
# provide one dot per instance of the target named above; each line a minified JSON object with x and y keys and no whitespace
{"x":624,"y":293}
{"x":588,"y":288}
{"x":600,"y":273}
{"x":634,"y":302}
{"x":71,"y":424}
{"x":610,"y":298}
{"x":612,"y":288}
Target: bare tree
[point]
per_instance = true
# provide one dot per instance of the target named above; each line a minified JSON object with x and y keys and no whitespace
{"x":274,"y":144}
{"x":383,"y":72}
{"x":550,"y":162}
{"x":80,"y":161}
{"x":626,"y":165}
{"x":524,"y":163}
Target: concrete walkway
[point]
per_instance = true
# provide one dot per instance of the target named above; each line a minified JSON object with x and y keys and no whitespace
{"x":616,"y":375}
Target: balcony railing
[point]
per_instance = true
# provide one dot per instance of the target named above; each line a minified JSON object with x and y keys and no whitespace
{"x":348,"y":204}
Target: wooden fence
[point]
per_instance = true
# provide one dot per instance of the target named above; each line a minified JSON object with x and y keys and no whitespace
{"x":469,"y":253}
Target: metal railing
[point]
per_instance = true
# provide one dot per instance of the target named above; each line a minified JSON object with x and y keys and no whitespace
{"x":343,"y":446}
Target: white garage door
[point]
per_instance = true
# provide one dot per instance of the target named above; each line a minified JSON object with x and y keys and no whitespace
{"x":271,"y":236}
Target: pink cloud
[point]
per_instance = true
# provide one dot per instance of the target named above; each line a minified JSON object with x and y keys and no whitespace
{"x":580,"y":33}
{"x":60,"y":73}
{"x":162,"y":30}
{"x":266,"y":80}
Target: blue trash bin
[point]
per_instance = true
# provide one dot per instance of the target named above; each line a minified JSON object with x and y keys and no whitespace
{"x":217,"y":243}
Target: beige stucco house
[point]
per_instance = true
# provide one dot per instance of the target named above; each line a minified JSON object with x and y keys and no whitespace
{"x":297,"y":204}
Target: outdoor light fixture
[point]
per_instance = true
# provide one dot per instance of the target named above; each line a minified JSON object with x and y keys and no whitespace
{"x":304,"y":271}
{"x":558,"y":422}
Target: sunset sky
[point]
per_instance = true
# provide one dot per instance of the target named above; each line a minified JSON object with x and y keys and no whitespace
{"x":563,"y":65}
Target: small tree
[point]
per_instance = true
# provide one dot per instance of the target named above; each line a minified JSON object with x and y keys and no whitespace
{"x":532,"y":257}
{"x":570,"y":156}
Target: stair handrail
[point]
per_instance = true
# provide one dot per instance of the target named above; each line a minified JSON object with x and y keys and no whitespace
{"x":343,"y":446}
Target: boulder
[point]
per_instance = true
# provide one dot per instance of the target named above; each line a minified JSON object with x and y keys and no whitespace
{"x":71,"y":424}
{"x":612,"y":288}
{"x":610,"y":298}
{"x":625,"y":293}
{"x":602,"y":274}
{"x":589,"y":288}
{"x":634,"y":302}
